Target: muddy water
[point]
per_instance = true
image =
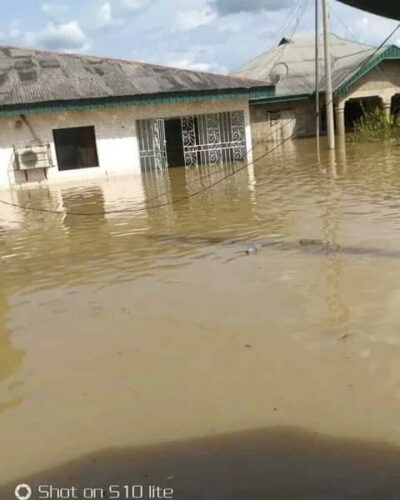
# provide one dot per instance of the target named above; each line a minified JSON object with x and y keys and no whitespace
{"x":134,"y":330}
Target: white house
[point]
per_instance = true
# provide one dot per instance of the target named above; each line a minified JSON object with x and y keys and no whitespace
{"x":66,"y":116}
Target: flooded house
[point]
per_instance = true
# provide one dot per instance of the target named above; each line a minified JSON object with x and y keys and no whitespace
{"x":66,"y":116}
{"x":364,"y":78}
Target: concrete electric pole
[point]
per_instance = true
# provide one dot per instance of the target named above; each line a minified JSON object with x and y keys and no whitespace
{"x":317,"y":106}
{"x":328,"y":77}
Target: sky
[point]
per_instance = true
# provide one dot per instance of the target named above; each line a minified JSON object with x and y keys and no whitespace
{"x":205,"y":35}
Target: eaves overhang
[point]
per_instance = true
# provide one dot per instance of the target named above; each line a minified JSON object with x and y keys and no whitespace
{"x":280,"y":98}
{"x":390,"y":53}
{"x":257,"y":92}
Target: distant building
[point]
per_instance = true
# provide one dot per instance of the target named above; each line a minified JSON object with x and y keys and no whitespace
{"x":67,"y":116}
{"x":363,"y":78}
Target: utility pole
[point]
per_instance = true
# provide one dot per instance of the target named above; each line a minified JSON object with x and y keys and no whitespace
{"x":317,"y":106}
{"x":328,"y":77}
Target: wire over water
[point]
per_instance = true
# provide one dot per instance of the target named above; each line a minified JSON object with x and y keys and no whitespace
{"x":154,"y":207}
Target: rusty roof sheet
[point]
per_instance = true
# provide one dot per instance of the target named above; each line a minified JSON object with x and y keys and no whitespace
{"x":34,"y":76}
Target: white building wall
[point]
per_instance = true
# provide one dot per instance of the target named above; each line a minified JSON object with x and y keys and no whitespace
{"x":382,"y":81}
{"x":116,"y":137}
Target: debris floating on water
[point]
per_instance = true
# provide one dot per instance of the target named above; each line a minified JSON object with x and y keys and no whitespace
{"x":311,"y":242}
{"x":312,"y":246}
{"x":253,"y":249}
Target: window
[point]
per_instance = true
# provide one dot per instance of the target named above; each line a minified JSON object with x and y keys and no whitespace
{"x":274,"y":116}
{"x":75,"y":148}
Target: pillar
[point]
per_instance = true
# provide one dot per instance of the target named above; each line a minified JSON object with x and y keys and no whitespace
{"x":387,"y":107}
{"x":340,"y":122}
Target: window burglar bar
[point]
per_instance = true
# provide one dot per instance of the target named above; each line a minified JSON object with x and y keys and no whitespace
{"x":208,"y":139}
{"x":214,"y":138}
{"x":152,"y":145}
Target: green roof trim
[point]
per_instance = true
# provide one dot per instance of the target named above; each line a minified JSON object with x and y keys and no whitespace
{"x":391,"y":52}
{"x":263,"y":91}
{"x":279,"y":98}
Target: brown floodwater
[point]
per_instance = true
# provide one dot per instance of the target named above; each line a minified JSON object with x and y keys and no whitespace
{"x":147,"y":345}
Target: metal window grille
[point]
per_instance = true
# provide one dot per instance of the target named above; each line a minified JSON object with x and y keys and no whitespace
{"x":152,"y":145}
{"x":214,"y":138}
{"x":208,"y":139}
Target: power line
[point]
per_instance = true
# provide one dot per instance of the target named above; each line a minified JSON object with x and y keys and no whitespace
{"x":278,"y":51}
{"x":380,"y":46}
{"x":154,"y":207}
{"x":211,"y":174}
{"x":288,"y":21}
{"x":147,"y":200}
{"x":299,"y":18}
{"x":343,"y":23}
{"x":365,"y":61}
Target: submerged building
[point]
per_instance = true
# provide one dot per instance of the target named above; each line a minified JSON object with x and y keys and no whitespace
{"x":66,"y":116}
{"x":363,"y":78}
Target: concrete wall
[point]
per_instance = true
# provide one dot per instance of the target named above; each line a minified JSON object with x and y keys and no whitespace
{"x":298,"y":120}
{"x":116,"y":137}
{"x":382,"y":81}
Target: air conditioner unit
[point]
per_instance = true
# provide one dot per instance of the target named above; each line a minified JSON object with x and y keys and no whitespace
{"x":33,"y":157}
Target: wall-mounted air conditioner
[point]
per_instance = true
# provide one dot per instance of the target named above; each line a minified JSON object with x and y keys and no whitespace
{"x":33,"y":157}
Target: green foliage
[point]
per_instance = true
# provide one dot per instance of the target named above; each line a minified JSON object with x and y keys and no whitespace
{"x":374,"y":127}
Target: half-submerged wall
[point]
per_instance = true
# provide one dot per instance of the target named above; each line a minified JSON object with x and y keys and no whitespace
{"x":276,"y":121}
{"x":115,"y":132}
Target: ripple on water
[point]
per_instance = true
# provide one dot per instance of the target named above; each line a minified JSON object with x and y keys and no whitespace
{"x":188,"y":326}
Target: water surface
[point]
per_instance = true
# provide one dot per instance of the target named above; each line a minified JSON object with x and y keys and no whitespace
{"x":136,"y":329}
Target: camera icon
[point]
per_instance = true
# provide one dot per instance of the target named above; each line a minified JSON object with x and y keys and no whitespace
{"x":23,"y":492}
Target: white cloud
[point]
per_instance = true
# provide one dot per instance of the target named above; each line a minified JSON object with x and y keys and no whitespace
{"x":361,"y":26}
{"x":191,"y":19}
{"x":230,"y":27}
{"x":11,"y":32}
{"x":373,"y":30}
{"x":67,"y":36}
{"x":225,"y":7}
{"x":54,"y":9}
{"x":14,"y":29}
{"x":135,"y":4}
{"x":209,"y":68}
{"x":105,"y":13}
{"x":188,"y":61}
{"x":105,"y":17}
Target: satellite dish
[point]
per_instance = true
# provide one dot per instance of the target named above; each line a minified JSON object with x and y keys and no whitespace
{"x":279,"y":73}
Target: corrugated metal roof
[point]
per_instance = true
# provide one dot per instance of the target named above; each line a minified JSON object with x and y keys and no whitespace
{"x":295,"y":62}
{"x":38,"y":77}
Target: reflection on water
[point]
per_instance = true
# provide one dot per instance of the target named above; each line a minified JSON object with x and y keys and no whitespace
{"x":10,"y":360}
{"x":153,"y":325}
